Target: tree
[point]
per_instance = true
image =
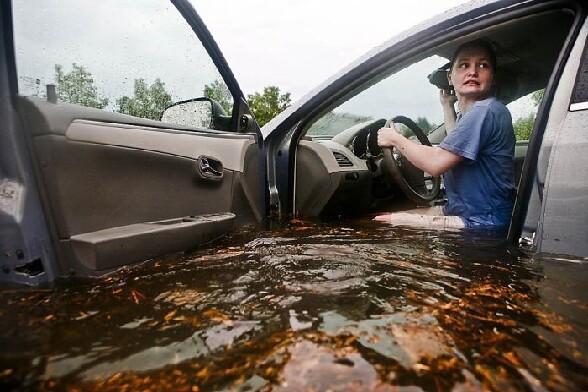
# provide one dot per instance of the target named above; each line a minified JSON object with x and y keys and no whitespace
{"x":269,"y":104}
{"x":77,"y":87}
{"x":425,"y":125}
{"x":537,"y":96}
{"x":219,"y":92}
{"x":523,"y":127}
{"x":147,"y":101}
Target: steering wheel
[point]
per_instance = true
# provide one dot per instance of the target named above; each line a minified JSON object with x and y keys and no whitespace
{"x":410,"y":179}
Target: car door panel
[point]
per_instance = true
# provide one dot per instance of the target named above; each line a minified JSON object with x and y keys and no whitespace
{"x":565,"y":203}
{"x":94,"y":180}
{"x":121,"y":192}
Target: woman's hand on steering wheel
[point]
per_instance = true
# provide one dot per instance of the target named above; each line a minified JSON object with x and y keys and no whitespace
{"x":387,"y":136}
{"x":409,"y":178}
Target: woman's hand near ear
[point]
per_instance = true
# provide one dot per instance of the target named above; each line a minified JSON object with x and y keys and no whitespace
{"x":448,"y":103}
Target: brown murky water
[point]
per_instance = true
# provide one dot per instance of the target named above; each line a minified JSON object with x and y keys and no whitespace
{"x":309,"y":308}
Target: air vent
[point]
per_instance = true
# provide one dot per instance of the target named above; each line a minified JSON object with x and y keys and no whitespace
{"x":342,"y":160}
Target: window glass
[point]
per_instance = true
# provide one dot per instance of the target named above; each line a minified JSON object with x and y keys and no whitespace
{"x":407,"y":93}
{"x":135,"y":57}
{"x":524,"y":112}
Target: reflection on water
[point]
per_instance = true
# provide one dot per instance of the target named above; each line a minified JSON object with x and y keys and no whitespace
{"x":311,"y":308}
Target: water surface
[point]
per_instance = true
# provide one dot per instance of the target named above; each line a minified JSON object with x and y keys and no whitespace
{"x":357,"y":306}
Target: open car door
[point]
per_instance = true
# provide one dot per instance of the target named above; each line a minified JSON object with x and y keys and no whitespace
{"x":93,"y":177}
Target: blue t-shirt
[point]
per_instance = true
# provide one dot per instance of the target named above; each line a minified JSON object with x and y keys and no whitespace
{"x":480,"y":189}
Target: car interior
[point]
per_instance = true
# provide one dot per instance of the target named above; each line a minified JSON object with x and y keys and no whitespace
{"x":355,"y":176}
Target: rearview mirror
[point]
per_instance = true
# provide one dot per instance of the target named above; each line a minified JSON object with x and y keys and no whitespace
{"x":199,"y":113}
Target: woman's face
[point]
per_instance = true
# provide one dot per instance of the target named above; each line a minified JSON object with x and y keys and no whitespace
{"x":472,"y":73}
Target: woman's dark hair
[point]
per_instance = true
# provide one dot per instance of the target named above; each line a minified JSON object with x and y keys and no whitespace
{"x":478,"y":43}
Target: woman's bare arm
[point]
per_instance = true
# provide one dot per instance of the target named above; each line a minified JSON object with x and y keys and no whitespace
{"x":431,"y":159}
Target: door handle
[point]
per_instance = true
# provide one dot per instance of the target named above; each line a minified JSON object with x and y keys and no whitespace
{"x":209,"y":168}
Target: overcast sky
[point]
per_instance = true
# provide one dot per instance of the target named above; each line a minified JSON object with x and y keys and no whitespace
{"x":297,"y":44}
{"x":292,"y":44}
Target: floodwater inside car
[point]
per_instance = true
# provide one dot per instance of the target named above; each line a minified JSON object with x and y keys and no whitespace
{"x":347,"y":306}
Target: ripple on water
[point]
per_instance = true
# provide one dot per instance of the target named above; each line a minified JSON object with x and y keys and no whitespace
{"x":310,"y":307}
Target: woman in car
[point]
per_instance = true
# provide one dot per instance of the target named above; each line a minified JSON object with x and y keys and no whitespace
{"x":476,"y":156}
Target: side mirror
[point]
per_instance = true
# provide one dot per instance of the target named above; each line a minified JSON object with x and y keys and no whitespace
{"x":199,"y":113}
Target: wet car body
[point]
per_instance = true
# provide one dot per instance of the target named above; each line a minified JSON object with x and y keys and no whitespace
{"x":55,"y":153}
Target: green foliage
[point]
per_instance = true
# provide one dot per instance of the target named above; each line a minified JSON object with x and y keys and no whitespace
{"x":425,"y":125}
{"x":77,"y":87}
{"x":219,"y":92}
{"x":147,"y":101}
{"x":268,"y":105}
{"x":537,"y":96}
{"x":523,"y":127}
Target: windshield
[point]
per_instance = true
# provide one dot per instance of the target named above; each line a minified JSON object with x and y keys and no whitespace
{"x":407,"y":92}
